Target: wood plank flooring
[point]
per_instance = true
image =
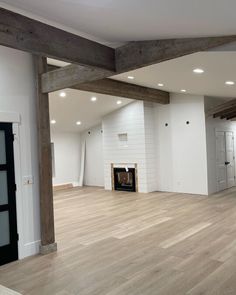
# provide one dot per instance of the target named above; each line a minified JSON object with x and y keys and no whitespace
{"x":115,"y":243}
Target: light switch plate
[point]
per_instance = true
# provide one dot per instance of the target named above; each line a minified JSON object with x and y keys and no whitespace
{"x":28,"y":180}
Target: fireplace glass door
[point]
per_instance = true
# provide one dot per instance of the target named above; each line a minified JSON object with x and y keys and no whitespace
{"x":124,"y":179}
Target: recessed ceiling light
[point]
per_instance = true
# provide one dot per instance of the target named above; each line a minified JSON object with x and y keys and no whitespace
{"x":229,"y":83}
{"x":119,"y":102}
{"x":160,"y":84}
{"x":53,"y":121}
{"x":62,"y":94}
{"x":131,"y":77}
{"x":78,"y":123}
{"x":94,"y":98}
{"x":198,"y":71}
{"x":183,"y":90}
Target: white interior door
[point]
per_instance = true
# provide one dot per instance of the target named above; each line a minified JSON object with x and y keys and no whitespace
{"x":230,"y":169}
{"x":221,"y":172}
{"x":225,"y":159}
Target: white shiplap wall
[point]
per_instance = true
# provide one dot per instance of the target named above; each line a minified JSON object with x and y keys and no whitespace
{"x":130,"y":120}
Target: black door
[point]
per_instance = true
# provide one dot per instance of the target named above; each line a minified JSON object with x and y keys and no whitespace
{"x":8,"y":225}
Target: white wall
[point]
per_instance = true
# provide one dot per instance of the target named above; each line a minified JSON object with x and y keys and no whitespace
{"x":67,"y":157}
{"x":17,"y":94}
{"x":150,"y":147}
{"x":213,"y":125}
{"x":170,"y":158}
{"x":94,"y":165}
{"x":181,"y":148}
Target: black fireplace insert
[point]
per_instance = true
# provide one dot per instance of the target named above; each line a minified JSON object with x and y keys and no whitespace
{"x":124,"y":179}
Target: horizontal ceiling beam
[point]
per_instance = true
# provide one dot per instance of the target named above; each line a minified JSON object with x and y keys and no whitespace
{"x":122,"y":89}
{"x":23,"y":33}
{"x":140,"y":54}
{"x":130,"y":57}
{"x":225,"y":113}
{"x":231,"y":116}
{"x":224,"y":107}
{"x":69,"y":76}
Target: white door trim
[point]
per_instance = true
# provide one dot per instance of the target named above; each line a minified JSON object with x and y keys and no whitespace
{"x":225,"y":130}
{"x":19,"y":198}
{"x":10,"y":117}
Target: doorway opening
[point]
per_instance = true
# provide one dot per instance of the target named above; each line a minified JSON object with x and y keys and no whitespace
{"x":225,"y":160}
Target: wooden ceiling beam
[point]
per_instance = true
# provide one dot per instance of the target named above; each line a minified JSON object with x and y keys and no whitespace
{"x":132,"y":56}
{"x":231,"y":116}
{"x":224,"y":107}
{"x":122,"y":89}
{"x":23,"y":33}
{"x":71,"y":75}
{"x":225,"y":113}
{"x":140,"y":54}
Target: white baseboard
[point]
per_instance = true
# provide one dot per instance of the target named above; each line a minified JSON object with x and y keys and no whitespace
{"x":75,"y":183}
{"x":29,"y":249}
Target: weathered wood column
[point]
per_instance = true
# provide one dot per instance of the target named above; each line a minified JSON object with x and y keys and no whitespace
{"x":45,"y":163}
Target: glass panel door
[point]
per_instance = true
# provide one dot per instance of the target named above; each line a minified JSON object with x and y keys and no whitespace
{"x":8,"y":226}
{"x":3,"y":188}
{"x":4,"y":229}
{"x":2,"y":148}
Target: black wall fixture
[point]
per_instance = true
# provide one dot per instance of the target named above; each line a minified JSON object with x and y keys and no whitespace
{"x":166,"y":124}
{"x":187,"y":122}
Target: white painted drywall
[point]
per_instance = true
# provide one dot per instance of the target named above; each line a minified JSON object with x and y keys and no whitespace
{"x":181,"y":148}
{"x":67,"y":157}
{"x":213,"y":125}
{"x":94,"y":165}
{"x":17,"y":94}
{"x":150,"y":147}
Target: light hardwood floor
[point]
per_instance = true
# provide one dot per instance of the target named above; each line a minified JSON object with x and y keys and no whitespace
{"x":115,"y":243}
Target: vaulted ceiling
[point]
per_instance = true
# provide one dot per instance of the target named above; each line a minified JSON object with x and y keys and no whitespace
{"x":116,"y":22}
{"x":119,"y":21}
{"x":78,"y":107}
{"x":177,"y":74}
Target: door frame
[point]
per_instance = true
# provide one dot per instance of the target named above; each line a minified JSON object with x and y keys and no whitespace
{"x":225,"y":130}
{"x":14,"y":119}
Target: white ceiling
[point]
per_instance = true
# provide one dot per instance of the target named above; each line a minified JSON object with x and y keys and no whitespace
{"x":175,"y":74}
{"x":127,"y":20}
{"x":77,"y":106}
{"x":113,"y":22}
{"x":178,"y":74}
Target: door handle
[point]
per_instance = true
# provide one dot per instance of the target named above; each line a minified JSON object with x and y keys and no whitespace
{"x":227,"y":163}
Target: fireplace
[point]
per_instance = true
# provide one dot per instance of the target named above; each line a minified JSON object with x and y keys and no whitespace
{"x":124,"y":179}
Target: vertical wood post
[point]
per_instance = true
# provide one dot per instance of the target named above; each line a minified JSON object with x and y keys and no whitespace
{"x":45,"y":163}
